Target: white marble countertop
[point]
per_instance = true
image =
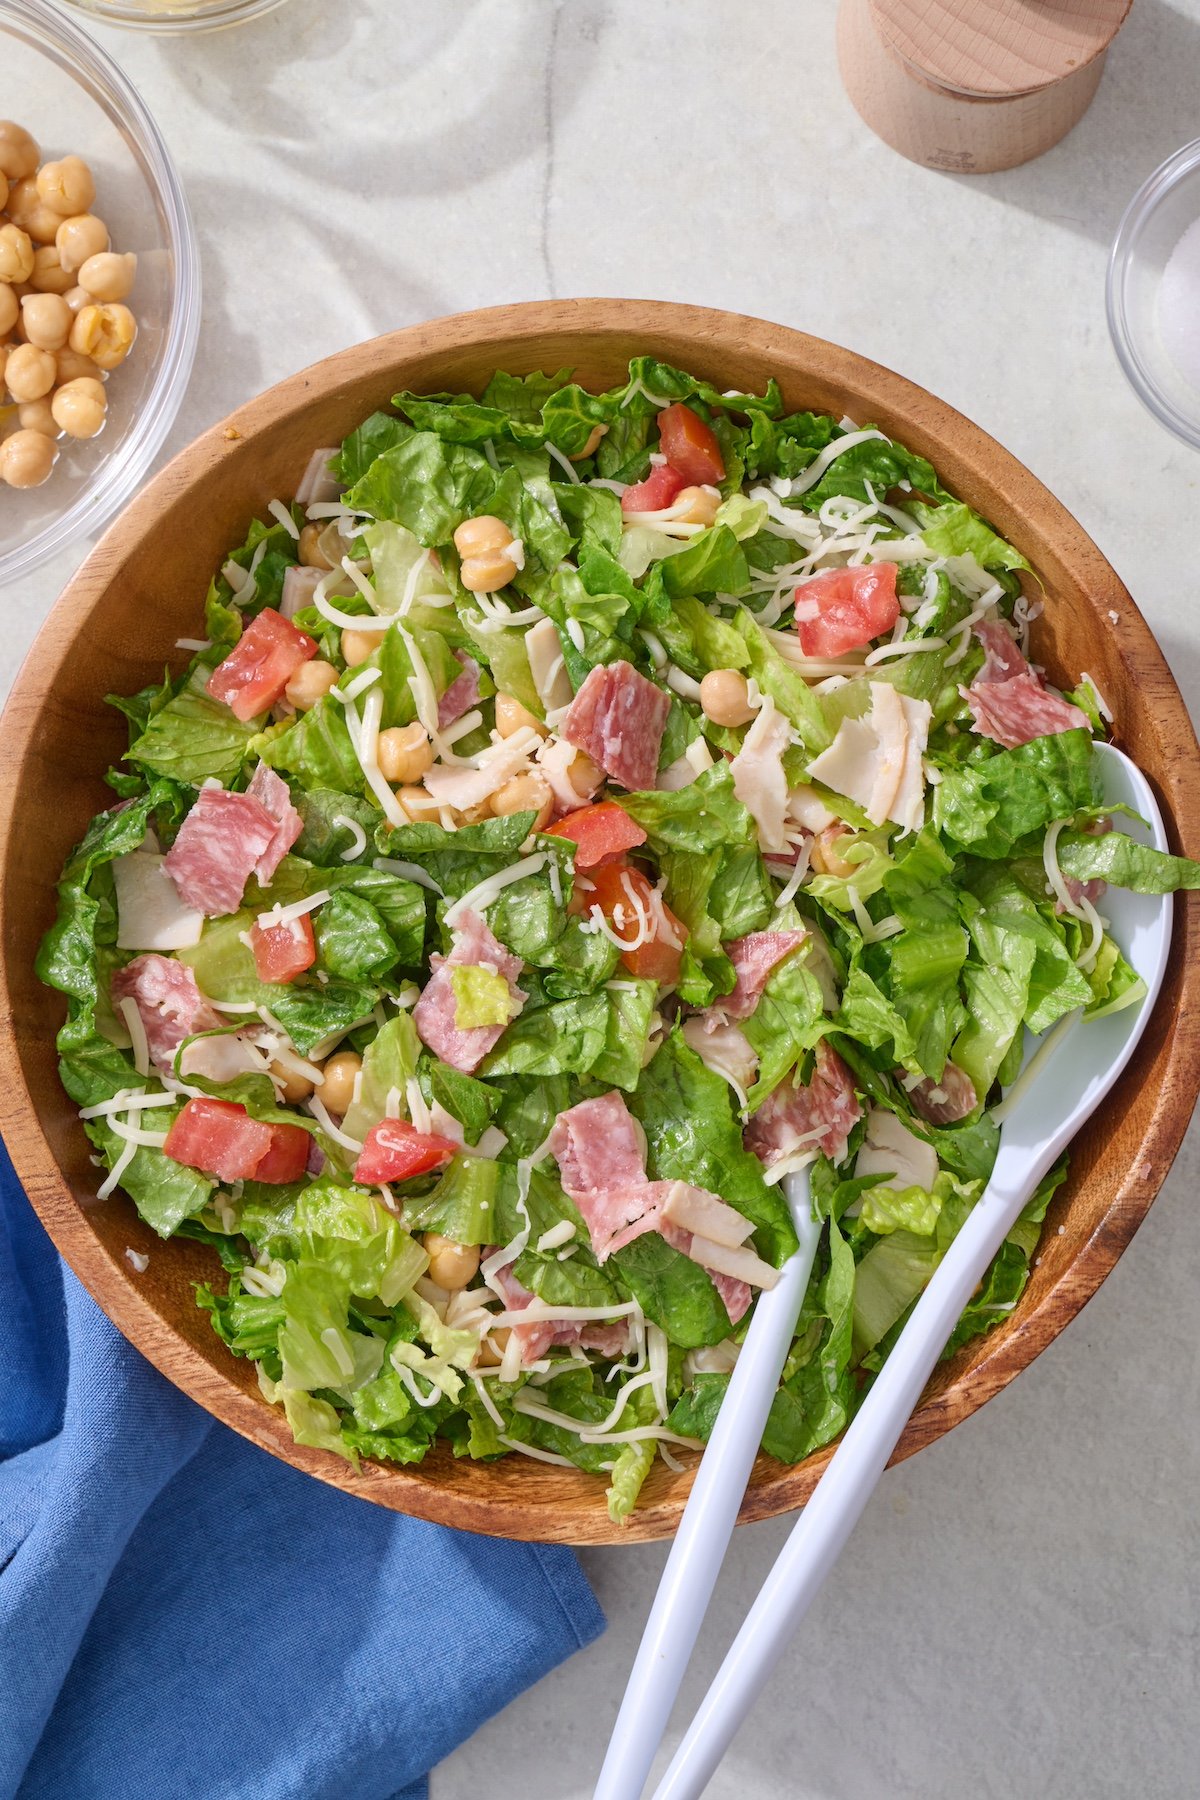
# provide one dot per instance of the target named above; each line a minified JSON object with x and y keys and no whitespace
{"x":1017,"y":1613}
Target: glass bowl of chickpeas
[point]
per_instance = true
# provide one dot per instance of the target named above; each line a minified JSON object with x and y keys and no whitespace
{"x":99,"y":287}
{"x":175,"y":15}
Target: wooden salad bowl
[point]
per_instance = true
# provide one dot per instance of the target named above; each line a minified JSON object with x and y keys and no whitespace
{"x":143,"y":586}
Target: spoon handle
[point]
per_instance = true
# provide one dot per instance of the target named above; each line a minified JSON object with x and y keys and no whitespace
{"x":841,"y":1494}
{"x":708,"y":1520}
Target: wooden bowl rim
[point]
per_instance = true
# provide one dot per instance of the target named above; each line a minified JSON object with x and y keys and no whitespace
{"x":775,"y":1487}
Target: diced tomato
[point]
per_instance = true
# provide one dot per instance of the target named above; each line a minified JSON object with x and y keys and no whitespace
{"x":599,"y":833}
{"x":625,"y":898}
{"x":395,"y":1151}
{"x":690,"y":446}
{"x":287,"y":1159}
{"x":281,"y":952}
{"x":221,"y":1138}
{"x":658,"y":490}
{"x":852,"y":606}
{"x":260,"y":665}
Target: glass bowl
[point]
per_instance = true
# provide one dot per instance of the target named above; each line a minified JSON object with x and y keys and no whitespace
{"x":73,"y":98}
{"x":1156,"y":218}
{"x":175,"y":15}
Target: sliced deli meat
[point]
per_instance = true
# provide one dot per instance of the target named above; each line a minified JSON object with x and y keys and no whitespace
{"x":598,"y":1144}
{"x":618,"y":718}
{"x":462,"y":693}
{"x":151,"y":914}
{"x":435,"y":1015}
{"x":274,"y":796}
{"x":892,"y":1150}
{"x":817,"y":1116}
{"x":722,"y":1047}
{"x":608,"y":1338}
{"x":1009,"y":702}
{"x":260,"y":665}
{"x":944,"y":1101}
{"x":755,"y":957}
{"x":759,"y":780}
{"x":219,"y":846}
{"x":169,"y":1004}
{"x":877,"y":760}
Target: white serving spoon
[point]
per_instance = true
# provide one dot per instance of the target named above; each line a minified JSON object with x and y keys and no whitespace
{"x":1042,"y":1112}
{"x":709,"y":1516}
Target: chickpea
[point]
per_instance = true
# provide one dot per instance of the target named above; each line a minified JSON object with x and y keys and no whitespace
{"x":336,"y":1092}
{"x":70,"y":366}
{"x":27,"y":209}
{"x":724,"y":697}
{"x":358,"y":645}
{"x":79,"y":407}
{"x":482,"y":536}
{"x":46,"y":321}
{"x":292,"y":1087}
{"x":26,"y":459}
{"x":418,"y":803}
{"x":487,"y":574}
{"x":77,"y":298}
{"x":30,"y":372}
{"x":49,"y":276}
{"x":699,"y":505}
{"x":80,"y":238}
{"x":584,"y":776}
{"x":311,"y":553}
{"x":10,"y":308}
{"x":16,"y":254}
{"x":512,"y":716}
{"x":6,"y":351}
{"x":3,"y":190}
{"x":311,"y":682}
{"x":35,"y":415}
{"x":491,"y":1354}
{"x":67,"y":187}
{"x":824,"y":857}
{"x":108,"y":276}
{"x":451,"y":1265}
{"x":404,"y":753}
{"x":19,"y":154}
{"x":525,"y":793}
{"x":105,"y":333}
{"x":593,"y":444}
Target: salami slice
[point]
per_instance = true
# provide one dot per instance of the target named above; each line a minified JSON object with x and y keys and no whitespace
{"x":462,"y":693}
{"x":618,"y":719}
{"x":1008,"y":701}
{"x":819,"y":1116}
{"x":169,"y":1003}
{"x":274,"y":796}
{"x":464,"y":1047}
{"x":754,"y":958}
{"x":219,"y":846}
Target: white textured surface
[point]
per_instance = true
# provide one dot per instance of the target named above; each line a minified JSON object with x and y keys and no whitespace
{"x":1017,"y":1614}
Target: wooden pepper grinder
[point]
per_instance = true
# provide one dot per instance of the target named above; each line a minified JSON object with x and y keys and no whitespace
{"x":974,"y":85}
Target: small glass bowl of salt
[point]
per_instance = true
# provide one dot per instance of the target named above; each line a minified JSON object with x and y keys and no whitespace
{"x":1153,"y":295}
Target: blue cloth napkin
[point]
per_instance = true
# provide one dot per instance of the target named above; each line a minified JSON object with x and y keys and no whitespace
{"x":182,"y":1614}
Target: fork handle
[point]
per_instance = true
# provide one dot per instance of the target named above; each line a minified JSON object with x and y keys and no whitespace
{"x":708,"y":1520}
{"x":839,"y":1498}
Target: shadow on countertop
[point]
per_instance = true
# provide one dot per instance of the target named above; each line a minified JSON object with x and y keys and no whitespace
{"x":1147,"y":105}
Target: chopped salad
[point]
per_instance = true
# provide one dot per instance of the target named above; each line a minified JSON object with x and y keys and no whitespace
{"x":580,"y":813}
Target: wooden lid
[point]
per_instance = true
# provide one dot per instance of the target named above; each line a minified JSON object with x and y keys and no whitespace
{"x":997,"y":47}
